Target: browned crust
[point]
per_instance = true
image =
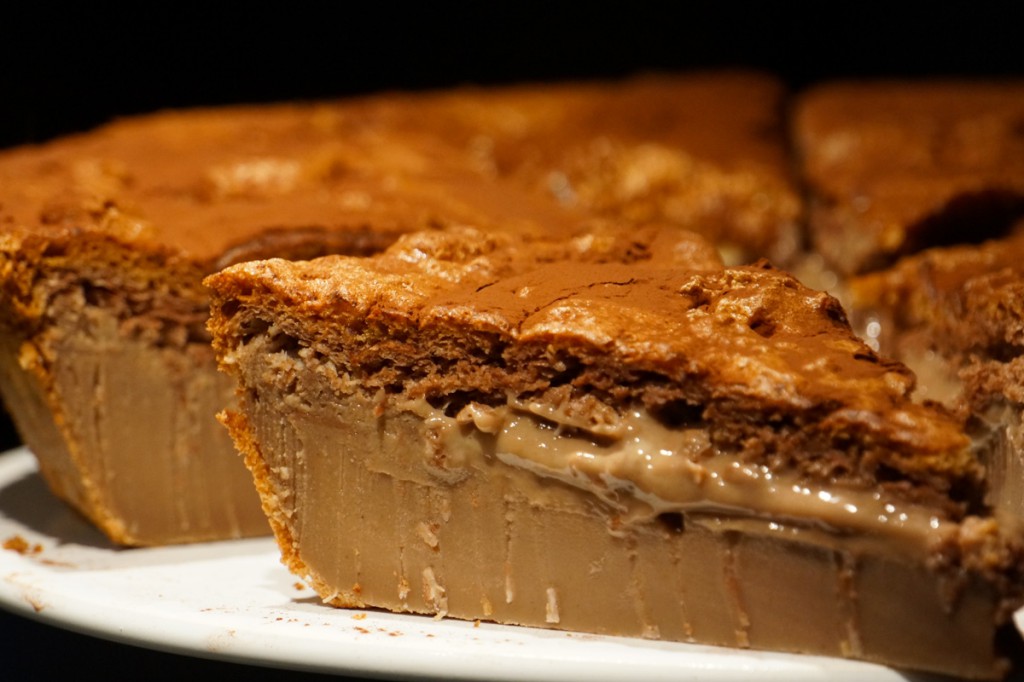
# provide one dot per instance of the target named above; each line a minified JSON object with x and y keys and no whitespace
{"x":701,"y":151}
{"x":896,"y":166}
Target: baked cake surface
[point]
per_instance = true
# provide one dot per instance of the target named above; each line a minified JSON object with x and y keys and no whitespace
{"x":718,"y":164}
{"x":105,"y":237}
{"x":504,"y":428}
{"x":896,"y":166}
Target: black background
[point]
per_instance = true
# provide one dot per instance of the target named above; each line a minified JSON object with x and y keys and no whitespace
{"x":64,"y":69}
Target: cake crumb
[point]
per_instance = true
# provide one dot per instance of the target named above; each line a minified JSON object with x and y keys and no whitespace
{"x":18,"y":544}
{"x":358,"y":616}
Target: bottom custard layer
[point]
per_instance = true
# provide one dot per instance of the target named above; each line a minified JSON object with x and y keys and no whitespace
{"x":124,"y":431}
{"x":375,"y":508}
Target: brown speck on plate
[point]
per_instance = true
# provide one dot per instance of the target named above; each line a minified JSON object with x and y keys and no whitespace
{"x":18,"y":544}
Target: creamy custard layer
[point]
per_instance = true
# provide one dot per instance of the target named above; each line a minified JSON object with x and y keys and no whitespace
{"x":385,"y":502}
{"x":644,"y":468}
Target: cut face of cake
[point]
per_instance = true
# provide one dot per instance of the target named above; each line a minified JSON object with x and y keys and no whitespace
{"x":106,"y":236}
{"x":601,"y":435}
{"x":894,"y":167}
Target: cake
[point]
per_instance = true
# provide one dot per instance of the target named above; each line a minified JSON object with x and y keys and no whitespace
{"x":892,"y":167}
{"x":916,"y":194}
{"x":956,"y":314}
{"x":600,"y":435}
{"x":105,"y":237}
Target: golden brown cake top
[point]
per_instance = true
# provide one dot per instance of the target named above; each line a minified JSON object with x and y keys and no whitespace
{"x":221,"y":185}
{"x":214,"y":184}
{"x":771,"y":366}
{"x":902,"y":165}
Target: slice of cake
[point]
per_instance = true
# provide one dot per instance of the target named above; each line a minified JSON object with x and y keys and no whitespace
{"x":894,"y":167}
{"x":609,"y":436}
{"x":956,"y":315}
{"x":105,"y":237}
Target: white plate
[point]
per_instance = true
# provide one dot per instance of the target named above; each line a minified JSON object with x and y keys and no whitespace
{"x":235,"y":601}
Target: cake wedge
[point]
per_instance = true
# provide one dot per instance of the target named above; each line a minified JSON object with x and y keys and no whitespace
{"x":956,"y":315}
{"x":602,"y":436}
{"x":892,"y":167}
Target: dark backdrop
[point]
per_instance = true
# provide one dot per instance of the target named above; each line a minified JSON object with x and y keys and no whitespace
{"x":67,"y":69}
{"x":74,"y":68}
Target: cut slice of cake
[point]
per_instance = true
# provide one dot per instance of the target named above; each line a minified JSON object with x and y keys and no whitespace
{"x":956,"y":315}
{"x":609,"y":436}
{"x":105,"y":238}
{"x":896,"y":166}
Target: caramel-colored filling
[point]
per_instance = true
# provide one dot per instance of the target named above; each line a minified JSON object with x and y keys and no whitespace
{"x":642,"y":468}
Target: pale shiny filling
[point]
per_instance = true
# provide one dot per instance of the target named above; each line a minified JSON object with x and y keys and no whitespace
{"x":643,"y":468}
